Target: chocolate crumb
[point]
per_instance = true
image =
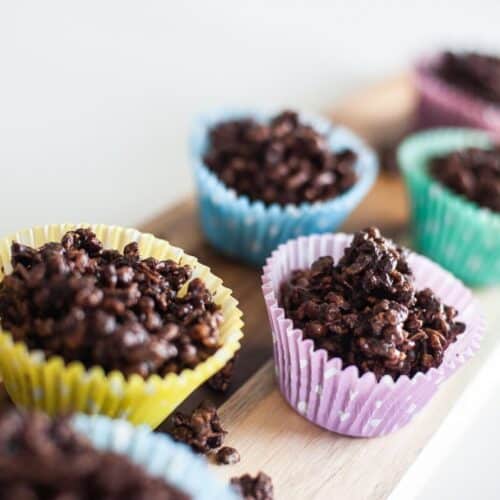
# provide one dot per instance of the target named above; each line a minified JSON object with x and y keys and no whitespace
{"x":227,"y":456}
{"x":366,"y":310}
{"x":259,"y":487}
{"x":283,"y":161}
{"x":201,"y":430}
{"x":102,"y":307}
{"x":473,"y":173}
{"x":221,"y":381}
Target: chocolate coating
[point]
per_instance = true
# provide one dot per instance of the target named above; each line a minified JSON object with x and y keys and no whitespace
{"x":259,"y":487}
{"x":202,"y":430}
{"x":367,"y":311}
{"x":44,"y":459}
{"x":473,"y":173}
{"x":476,"y":73}
{"x":227,"y":456}
{"x":283,"y":161}
{"x":103,"y":307}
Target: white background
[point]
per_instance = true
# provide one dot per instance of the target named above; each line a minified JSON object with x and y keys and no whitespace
{"x":96,"y":97}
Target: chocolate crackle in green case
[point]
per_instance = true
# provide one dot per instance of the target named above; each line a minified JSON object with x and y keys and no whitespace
{"x":447,"y":226}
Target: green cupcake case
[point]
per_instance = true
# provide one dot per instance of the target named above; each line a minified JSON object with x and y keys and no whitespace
{"x":451,"y":230}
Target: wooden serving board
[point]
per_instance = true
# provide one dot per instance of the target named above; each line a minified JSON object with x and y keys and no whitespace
{"x":304,"y":460}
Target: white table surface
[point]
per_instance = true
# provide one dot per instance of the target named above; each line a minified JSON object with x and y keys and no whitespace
{"x":461,"y":460}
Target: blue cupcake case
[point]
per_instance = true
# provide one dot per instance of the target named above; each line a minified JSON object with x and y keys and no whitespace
{"x":250,"y":230}
{"x":157,"y":453}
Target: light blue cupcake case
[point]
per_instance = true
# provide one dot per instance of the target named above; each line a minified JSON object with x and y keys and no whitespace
{"x":250,"y":231}
{"x":156,"y":453}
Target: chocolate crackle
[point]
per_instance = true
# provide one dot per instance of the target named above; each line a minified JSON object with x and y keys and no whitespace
{"x":366,"y":310}
{"x":283,"y":161}
{"x":202,"y":430}
{"x":102,"y":307}
{"x":221,"y":381}
{"x":473,"y":173}
{"x":227,"y":456}
{"x":44,"y":459}
{"x":476,"y":73}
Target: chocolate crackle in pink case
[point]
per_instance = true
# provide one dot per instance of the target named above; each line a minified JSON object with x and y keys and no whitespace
{"x":364,"y":331}
{"x":459,"y":89}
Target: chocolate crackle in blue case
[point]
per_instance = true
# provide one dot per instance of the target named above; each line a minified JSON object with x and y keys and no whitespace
{"x":265,"y":178}
{"x":159,"y":455}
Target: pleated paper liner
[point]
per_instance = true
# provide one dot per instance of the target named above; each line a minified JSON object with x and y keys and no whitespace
{"x":55,"y":387}
{"x":441,"y":104}
{"x":337,"y":397}
{"x":458,"y":234}
{"x":159,"y":455}
{"x":249,"y":231}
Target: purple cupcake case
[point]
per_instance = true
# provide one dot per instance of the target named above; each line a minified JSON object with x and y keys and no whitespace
{"x":338,"y":398}
{"x":442,"y":104}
